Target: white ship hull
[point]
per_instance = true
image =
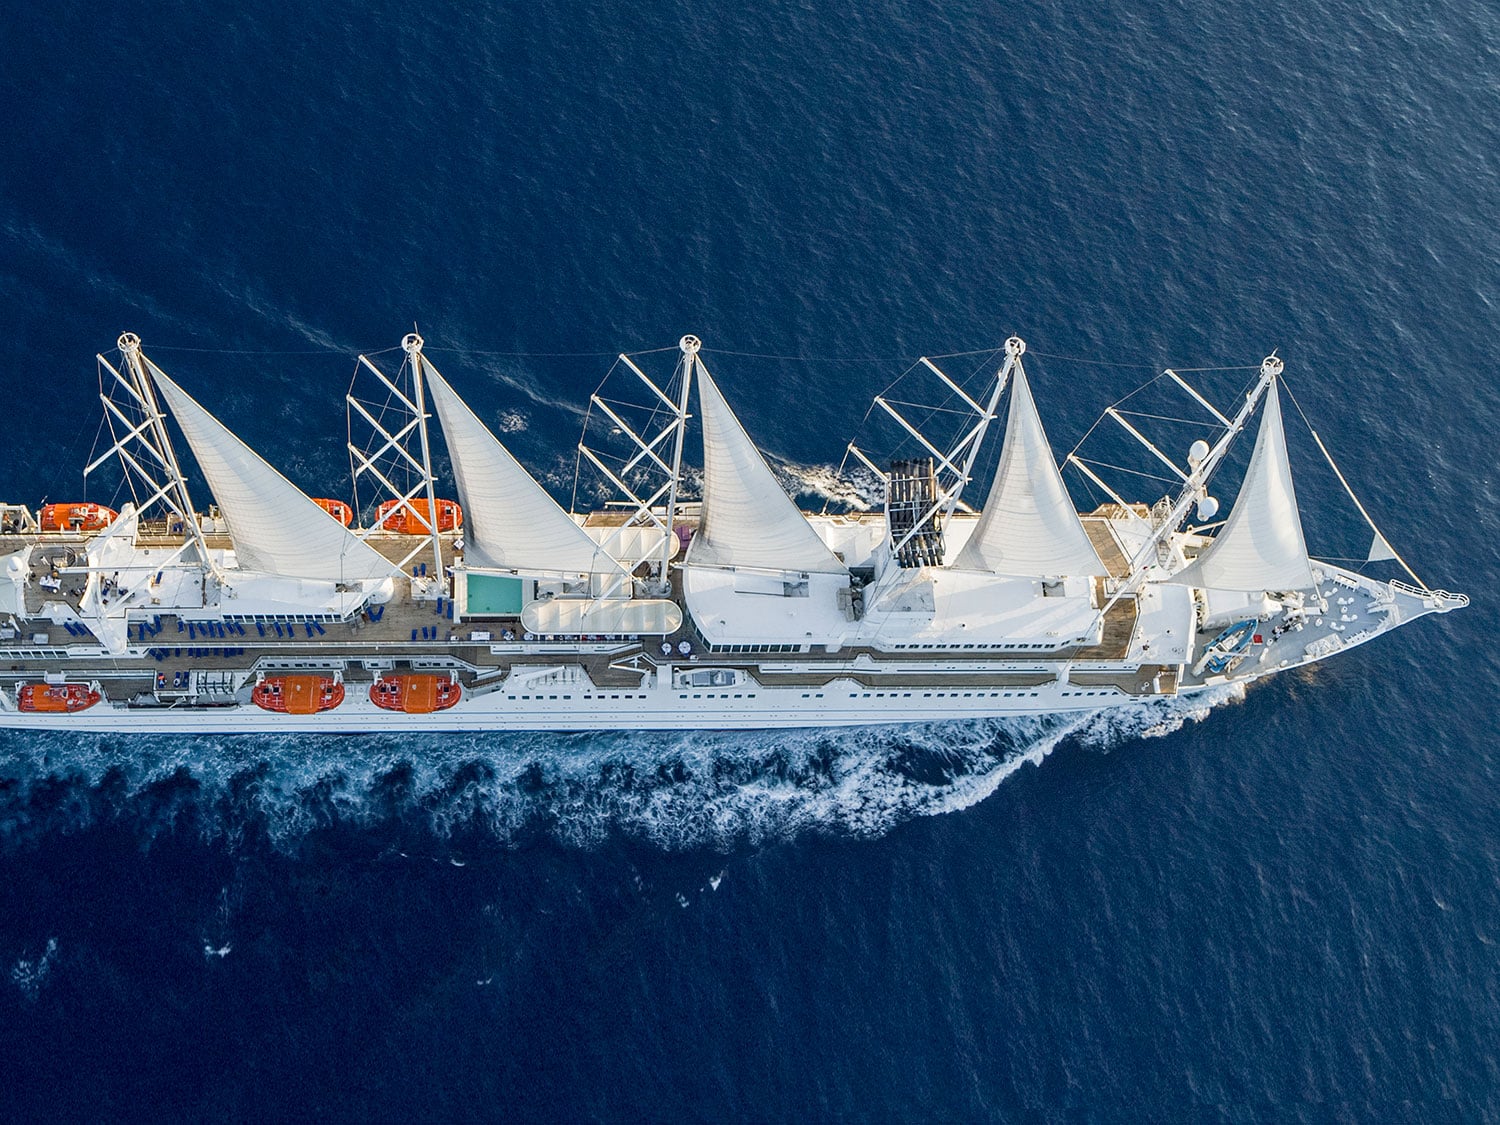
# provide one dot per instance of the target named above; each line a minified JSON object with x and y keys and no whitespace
{"x":774,"y":709}
{"x":276,"y":615}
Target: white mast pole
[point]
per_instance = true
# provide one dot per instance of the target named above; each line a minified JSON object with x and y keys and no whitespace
{"x":1015,"y":347}
{"x":690,"y":346}
{"x":130,"y":347}
{"x":411,"y":343}
{"x":1194,"y":482}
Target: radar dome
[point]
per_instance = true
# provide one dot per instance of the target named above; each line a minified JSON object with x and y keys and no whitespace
{"x":1197,"y":451}
{"x":1208,"y":508}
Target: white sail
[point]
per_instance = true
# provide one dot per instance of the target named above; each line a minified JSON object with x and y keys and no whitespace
{"x":748,"y":519}
{"x":1381,"y":550}
{"x":1260,"y":546}
{"x":275,"y":527}
{"x":510,"y":521}
{"x":1029,"y":527}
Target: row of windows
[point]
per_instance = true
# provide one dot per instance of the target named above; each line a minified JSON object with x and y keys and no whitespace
{"x":810,"y":695}
{"x":755,"y":648}
{"x":956,"y":648}
{"x":941,"y":694}
{"x":587,"y":697}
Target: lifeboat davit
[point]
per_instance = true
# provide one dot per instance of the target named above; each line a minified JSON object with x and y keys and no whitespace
{"x":337,"y":509}
{"x":298,"y":695}
{"x":57,"y":699}
{"x":415,"y":694}
{"x":409,"y":519}
{"x":76,"y":517}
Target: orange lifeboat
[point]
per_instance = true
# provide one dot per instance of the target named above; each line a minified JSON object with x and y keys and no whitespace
{"x":57,"y":699}
{"x":298,"y":695}
{"x":415,"y":694}
{"x":337,"y":509}
{"x":76,"y":517}
{"x":410,"y":519}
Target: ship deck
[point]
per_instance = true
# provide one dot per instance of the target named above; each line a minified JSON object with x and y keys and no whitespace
{"x":411,"y":632}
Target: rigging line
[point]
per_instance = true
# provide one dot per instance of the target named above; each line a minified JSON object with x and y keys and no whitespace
{"x":1112,"y":406}
{"x":1123,"y":469}
{"x":1237,"y":367}
{"x":537,"y":355}
{"x":805,"y":358}
{"x":261,"y":351}
{"x":654,"y":351}
{"x":1166,"y":418}
{"x":941,"y":408}
{"x":1147,"y":366}
{"x":98,"y":433}
{"x":1144,"y":386}
{"x":72,"y":454}
{"x":1339,"y":473}
{"x":977,"y":351}
{"x":583,"y":433}
{"x":869,"y":410}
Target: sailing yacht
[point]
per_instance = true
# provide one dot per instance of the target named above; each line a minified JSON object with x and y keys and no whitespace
{"x":270,"y":610}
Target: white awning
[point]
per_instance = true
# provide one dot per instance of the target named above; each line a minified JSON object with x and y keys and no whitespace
{"x":1029,"y":526}
{"x":1260,"y":546}
{"x":510,"y":521}
{"x":631,"y":544}
{"x":276,"y":528}
{"x":604,"y":617}
{"x":748,"y":519}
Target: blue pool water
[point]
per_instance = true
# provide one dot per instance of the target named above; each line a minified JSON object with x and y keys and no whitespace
{"x":1286,"y":906}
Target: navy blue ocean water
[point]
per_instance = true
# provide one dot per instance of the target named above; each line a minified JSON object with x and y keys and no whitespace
{"x":1286,"y":906}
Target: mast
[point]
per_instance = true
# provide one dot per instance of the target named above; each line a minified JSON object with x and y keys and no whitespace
{"x":1196,"y":479}
{"x":690,"y":346}
{"x":176,"y":486}
{"x":1014,"y":348}
{"x":939,"y":508}
{"x":647,"y":474}
{"x":411,"y":343}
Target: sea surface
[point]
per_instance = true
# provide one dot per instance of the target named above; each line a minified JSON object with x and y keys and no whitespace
{"x":1276,"y":905}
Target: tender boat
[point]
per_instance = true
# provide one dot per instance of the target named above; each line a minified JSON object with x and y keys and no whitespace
{"x":414,"y":517}
{"x":298,"y":695}
{"x":415,"y":694}
{"x":1226,"y":651}
{"x":75,"y":517}
{"x":57,"y":699}
{"x":337,"y":509}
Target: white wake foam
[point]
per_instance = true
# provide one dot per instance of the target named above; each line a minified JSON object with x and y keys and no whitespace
{"x":29,"y":974}
{"x":684,"y":790}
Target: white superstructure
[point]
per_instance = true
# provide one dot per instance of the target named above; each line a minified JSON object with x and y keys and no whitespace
{"x":735,"y":609}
